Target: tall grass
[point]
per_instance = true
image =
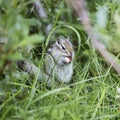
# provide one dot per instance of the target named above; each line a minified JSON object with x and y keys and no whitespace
{"x":90,"y":95}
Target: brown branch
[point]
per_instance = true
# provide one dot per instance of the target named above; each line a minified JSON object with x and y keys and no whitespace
{"x":81,"y":9}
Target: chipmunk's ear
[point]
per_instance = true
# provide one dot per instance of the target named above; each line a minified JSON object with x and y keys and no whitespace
{"x":69,"y":38}
{"x":59,"y":39}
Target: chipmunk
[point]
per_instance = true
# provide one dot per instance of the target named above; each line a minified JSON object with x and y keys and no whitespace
{"x":58,"y":62}
{"x":61,"y":63}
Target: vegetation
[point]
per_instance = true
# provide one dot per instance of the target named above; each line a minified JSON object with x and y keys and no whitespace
{"x":92,"y":92}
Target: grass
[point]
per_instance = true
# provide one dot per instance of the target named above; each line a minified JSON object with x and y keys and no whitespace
{"x":90,"y":95}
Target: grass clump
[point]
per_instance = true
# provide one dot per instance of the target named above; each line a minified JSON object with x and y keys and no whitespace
{"x":90,"y":95}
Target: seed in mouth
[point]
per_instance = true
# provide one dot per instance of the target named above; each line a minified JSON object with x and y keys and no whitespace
{"x":68,"y":59}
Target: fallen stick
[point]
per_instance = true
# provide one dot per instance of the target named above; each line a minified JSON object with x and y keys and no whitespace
{"x":79,"y":6}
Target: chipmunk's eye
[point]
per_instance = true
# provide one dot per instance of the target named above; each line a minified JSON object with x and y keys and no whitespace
{"x":63,"y":48}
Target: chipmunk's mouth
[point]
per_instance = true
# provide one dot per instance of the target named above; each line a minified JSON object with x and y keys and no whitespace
{"x":67,"y":60}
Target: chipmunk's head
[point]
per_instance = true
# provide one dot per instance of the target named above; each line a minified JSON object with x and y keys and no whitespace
{"x":62,"y":51}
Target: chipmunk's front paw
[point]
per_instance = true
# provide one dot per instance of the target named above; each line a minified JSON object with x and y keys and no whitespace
{"x":67,"y":60}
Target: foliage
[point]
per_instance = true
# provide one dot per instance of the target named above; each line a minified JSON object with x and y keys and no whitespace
{"x":92,"y":93}
{"x":110,"y":37}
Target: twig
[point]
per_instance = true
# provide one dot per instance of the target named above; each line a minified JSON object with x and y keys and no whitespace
{"x":39,"y":9}
{"x":81,"y":9}
{"x":41,"y":14}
